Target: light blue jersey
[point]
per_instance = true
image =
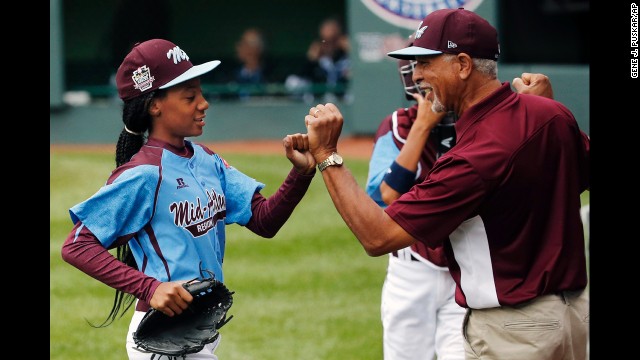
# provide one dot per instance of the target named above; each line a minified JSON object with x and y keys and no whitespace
{"x":172,"y":209}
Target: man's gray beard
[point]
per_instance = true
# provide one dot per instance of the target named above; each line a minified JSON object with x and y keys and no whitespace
{"x":437,"y":106}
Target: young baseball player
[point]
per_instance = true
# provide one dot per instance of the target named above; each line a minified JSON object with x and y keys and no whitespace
{"x":493,"y":201}
{"x":166,"y":205}
{"x":420,"y":317}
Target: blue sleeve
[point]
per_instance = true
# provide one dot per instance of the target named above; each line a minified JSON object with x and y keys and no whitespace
{"x":384,"y":153}
{"x":238,"y":189}
{"x":122,"y":207}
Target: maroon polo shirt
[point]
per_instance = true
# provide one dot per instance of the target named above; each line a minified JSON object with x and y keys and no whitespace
{"x":505,"y":201}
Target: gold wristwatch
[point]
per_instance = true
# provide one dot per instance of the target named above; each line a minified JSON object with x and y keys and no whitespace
{"x":333,"y":159}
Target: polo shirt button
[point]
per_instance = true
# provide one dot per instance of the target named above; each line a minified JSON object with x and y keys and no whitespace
{"x":191,"y":165}
{"x":202,"y":183}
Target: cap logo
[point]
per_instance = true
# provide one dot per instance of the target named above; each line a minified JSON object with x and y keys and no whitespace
{"x":177,"y":54}
{"x":142,"y":78}
{"x":420,"y":30}
{"x":451,"y":44}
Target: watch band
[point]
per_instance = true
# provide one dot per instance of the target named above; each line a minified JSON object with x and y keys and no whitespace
{"x":323,"y":165}
{"x":333,"y":159}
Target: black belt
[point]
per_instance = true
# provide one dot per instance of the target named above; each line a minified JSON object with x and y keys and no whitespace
{"x":395,"y":253}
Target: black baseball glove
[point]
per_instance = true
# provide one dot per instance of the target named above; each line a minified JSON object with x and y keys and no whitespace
{"x":190,"y":331}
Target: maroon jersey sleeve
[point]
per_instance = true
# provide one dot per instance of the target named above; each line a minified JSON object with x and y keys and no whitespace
{"x":433,"y":209}
{"x":83,"y":250}
{"x":268,"y":215}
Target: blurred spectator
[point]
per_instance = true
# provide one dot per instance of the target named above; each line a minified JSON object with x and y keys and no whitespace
{"x":253,"y":70}
{"x":327,"y":66}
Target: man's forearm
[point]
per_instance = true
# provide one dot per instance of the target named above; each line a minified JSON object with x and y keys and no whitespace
{"x":375,"y":230}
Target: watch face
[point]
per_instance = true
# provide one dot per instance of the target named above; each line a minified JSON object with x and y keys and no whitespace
{"x":337,"y":158}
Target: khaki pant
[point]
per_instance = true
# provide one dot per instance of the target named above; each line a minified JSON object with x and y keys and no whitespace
{"x":551,"y":327}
